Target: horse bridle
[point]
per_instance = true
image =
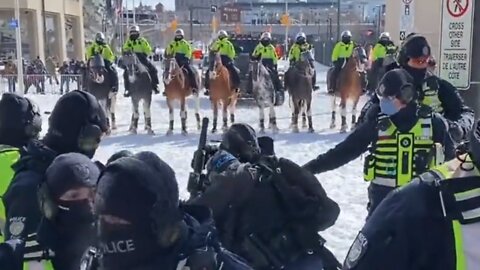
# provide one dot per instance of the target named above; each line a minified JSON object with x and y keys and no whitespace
{"x":172,"y":73}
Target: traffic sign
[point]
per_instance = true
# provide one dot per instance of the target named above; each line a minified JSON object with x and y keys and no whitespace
{"x":403,"y":35}
{"x":457,"y":8}
{"x":456,"y":42}
{"x":407,"y":18}
{"x":13,"y":23}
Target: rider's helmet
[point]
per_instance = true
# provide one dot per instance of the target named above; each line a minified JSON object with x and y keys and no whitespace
{"x":222,"y":34}
{"x":134,"y":32}
{"x":100,"y":38}
{"x":179,"y":34}
{"x":266,"y":36}
{"x":346,"y":36}
{"x":301,"y":38}
{"x":385,"y":36}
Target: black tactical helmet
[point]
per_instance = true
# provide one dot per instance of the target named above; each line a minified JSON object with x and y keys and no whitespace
{"x":414,"y":46}
{"x":240,"y":140}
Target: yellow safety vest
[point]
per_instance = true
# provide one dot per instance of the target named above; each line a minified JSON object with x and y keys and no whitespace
{"x":467,"y":245}
{"x":393,"y":161}
{"x":430,"y":95}
{"x":9,"y":155}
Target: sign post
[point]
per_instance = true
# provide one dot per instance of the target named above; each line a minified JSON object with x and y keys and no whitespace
{"x":406,"y":19}
{"x":456,"y":42}
{"x":18,"y":40}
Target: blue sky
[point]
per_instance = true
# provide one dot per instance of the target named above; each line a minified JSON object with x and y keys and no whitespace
{"x":169,"y":4}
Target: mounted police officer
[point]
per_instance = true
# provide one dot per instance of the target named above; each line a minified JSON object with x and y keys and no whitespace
{"x":385,"y":48}
{"x":267,"y":210}
{"x":181,"y":49}
{"x":265,"y":52}
{"x":431,"y":223}
{"x":227,"y":53}
{"x":342,"y":51}
{"x":143,"y":226}
{"x":77,"y":124}
{"x":103,"y":49}
{"x":432,"y":91}
{"x":140,"y":46}
{"x":301,"y":45}
{"x":403,"y":140}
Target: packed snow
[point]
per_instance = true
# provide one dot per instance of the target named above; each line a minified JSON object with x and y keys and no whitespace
{"x":345,"y":185}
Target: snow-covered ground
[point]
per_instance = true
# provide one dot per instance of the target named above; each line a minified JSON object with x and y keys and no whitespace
{"x":345,"y":185}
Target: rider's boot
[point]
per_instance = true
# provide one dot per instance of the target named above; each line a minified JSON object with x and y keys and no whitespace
{"x":206,"y":84}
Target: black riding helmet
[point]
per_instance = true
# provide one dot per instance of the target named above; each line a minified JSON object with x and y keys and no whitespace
{"x":414,"y":46}
{"x":20,"y":120}
{"x":241,"y":141}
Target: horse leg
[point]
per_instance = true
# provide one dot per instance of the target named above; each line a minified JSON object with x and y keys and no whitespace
{"x":103,"y":105}
{"x":304,"y":117}
{"x":354,"y":113}
{"x":296,"y":111}
{"x":148,"y":116}
{"x":225,"y":115}
{"x":215,"y":115}
{"x":273,"y":119}
{"x":197,"y":110}
{"x":233,"y":104}
{"x":309,"y":115}
{"x":170,"y":115}
{"x":343,"y":113}
{"x":135,"y":116}
{"x":261,"y":117}
{"x":333,"y":103}
{"x":113,"y":102}
{"x":183,"y":116}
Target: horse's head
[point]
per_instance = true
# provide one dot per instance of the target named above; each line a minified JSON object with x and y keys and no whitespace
{"x":130,"y":61}
{"x":306,"y":58}
{"x":360,"y":57}
{"x":170,"y":68}
{"x":96,"y":67}
{"x":215,"y":64}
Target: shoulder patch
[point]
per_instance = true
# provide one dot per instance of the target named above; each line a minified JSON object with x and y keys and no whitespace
{"x":356,"y":252}
{"x":17,"y":225}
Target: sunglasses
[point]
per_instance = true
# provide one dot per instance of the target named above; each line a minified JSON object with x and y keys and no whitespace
{"x":420,"y":60}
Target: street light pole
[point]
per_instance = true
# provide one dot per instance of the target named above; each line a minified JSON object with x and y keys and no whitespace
{"x":338,"y":20}
{"x":18,"y":39}
{"x":286,"y":28}
{"x":134,"y":12}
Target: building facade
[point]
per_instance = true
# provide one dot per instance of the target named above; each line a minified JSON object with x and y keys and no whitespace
{"x":48,"y":28}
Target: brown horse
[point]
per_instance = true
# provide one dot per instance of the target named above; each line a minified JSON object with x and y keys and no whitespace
{"x":349,"y":87}
{"x":177,"y":87}
{"x":221,"y":91}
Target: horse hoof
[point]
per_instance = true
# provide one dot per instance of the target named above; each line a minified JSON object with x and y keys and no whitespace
{"x":295,"y":130}
{"x":150,"y":132}
{"x":332,"y":126}
{"x":304,"y":125}
{"x":169,"y":132}
{"x":133,"y":131}
{"x":262,"y":131}
{"x":184,"y":132}
{"x":199,"y":126}
{"x":214,"y":130}
{"x":275,"y":129}
{"x":114,"y":127}
{"x":311,"y":130}
{"x":224,"y":129}
{"x":343,"y":129}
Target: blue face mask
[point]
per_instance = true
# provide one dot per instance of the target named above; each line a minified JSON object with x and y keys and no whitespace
{"x":388,"y":107}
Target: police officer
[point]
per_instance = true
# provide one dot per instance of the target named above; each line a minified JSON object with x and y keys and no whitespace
{"x":265,"y":51}
{"x":76,"y":124}
{"x":143,"y":226}
{"x":140,"y":46}
{"x":267,"y":210}
{"x":383,"y":54}
{"x":301,"y":45}
{"x":181,"y":49}
{"x":403,"y":140}
{"x":227,"y":53}
{"x":340,"y":54}
{"x":20,"y":122}
{"x":66,"y":204}
{"x":437,"y":93}
{"x":431,"y":223}
{"x":100,"y":47}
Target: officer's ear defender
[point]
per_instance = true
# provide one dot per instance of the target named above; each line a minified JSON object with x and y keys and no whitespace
{"x":90,"y":132}
{"x":47,"y":206}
